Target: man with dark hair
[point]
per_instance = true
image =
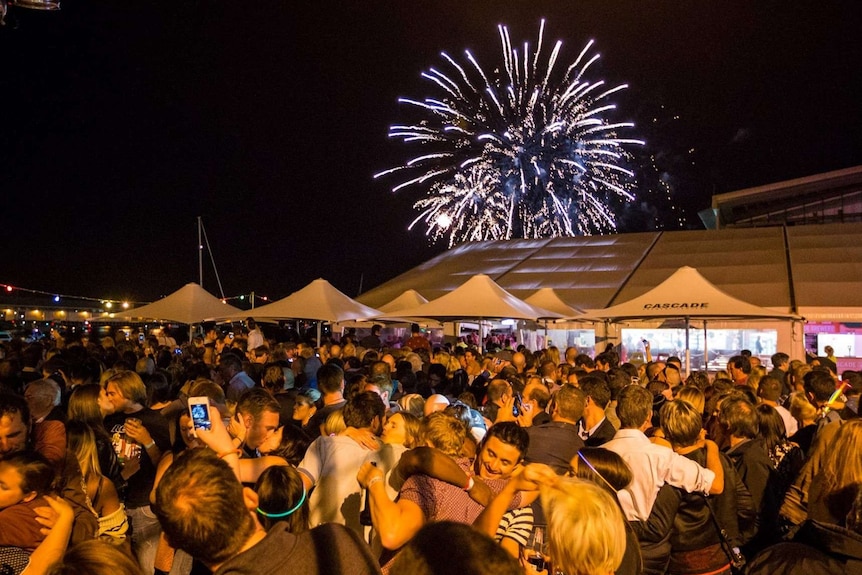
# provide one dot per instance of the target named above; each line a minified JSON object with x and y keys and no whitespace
{"x":206,"y":512}
{"x":555,"y":443}
{"x":330,"y":382}
{"x":31,"y":357}
{"x":738,"y":367}
{"x":674,"y":361}
{"x":585,"y":362}
{"x":654,"y":465}
{"x":331,"y":463}
{"x":372,"y":340}
{"x":380,"y":384}
{"x":819,"y":385}
{"x":748,"y":453}
{"x":594,"y":427}
{"x":604,"y":361}
{"x":499,"y":393}
{"x":14,"y":424}
{"x":255,"y":420}
{"x":780,"y":366}
{"x":769,"y":392}
{"x":618,"y":378}
{"x":235,"y":380}
{"x":534,"y":402}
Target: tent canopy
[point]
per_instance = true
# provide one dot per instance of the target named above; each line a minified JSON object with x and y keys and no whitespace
{"x":478,"y":297}
{"x":547,"y":298}
{"x":409,"y":299}
{"x":686,"y":293}
{"x":319,"y":301}
{"x":189,"y":304}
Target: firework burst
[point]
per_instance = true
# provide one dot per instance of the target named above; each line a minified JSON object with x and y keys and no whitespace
{"x":526,"y":152}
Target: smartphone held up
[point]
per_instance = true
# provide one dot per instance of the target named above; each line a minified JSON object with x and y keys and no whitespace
{"x":199,"y":411}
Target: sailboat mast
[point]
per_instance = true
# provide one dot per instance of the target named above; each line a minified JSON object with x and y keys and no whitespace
{"x":200,"y":255}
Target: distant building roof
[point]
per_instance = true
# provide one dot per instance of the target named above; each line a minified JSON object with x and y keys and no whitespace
{"x":823,"y":198}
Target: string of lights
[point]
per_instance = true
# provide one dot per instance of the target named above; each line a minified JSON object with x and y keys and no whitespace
{"x":58,"y":297}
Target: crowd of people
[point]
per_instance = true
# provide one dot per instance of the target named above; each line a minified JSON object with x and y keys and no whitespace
{"x":358,"y":456}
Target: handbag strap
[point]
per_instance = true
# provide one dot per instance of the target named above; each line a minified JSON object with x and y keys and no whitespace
{"x":723,"y":538}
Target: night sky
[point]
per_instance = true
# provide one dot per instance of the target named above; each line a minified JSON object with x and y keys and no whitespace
{"x":121,"y":122}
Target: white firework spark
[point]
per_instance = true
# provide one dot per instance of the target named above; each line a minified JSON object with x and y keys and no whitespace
{"x":529,"y":152}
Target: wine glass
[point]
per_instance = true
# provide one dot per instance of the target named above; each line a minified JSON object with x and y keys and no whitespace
{"x":536,"y":549}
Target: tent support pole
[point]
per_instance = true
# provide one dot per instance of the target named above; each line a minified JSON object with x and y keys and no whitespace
{"x":705,"y":350}
{"x":687,"y":349}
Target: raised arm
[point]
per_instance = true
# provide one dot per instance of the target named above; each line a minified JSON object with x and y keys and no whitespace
{"x":396,"y":523}
{"x":431,"y":462}
{"x":57,"y":521}
{"x":219,"y":440}
{"x":527,"y":479}
{"x":713,"y":463}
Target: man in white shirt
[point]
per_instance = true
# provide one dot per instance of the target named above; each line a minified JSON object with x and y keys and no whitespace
{"x":255,"y":336}
{"x":331,"y":463}
{"x":769,"y":390}
{"x":654,"y":465}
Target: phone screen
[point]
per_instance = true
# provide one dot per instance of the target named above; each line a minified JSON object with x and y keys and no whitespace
{"x":516,"y":406}
{"x":200,"y":413}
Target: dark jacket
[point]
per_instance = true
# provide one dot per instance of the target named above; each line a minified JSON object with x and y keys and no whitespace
{"x":554,"y":443}
{"x":681,"y":522}
{"x":754,"y":467}
{"x":693,"y":527}
{"x":818,"y":548}
{"x":602,"y":435}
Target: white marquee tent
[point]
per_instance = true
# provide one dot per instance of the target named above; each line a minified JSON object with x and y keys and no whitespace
{"x":686,"y":294}
{"x":319,"y":300}
{"x":188,"y":305}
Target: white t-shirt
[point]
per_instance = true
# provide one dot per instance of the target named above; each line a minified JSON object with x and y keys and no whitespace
{"x":332,"y":464}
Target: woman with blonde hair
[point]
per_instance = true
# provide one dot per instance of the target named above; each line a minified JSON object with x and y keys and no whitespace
{"x":334,"y":423}
{"x":553,"y":354}
{"x":586,"y":528}
{"x":834,"y":489}
{"x":692,"y":396}
{"x":805,"y":414}
{"x":757,"y":373}
{"x":88,"y":405}
{"x":797,"y":377}
{"x":100,"y":491}
{"x":402,"y":428}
